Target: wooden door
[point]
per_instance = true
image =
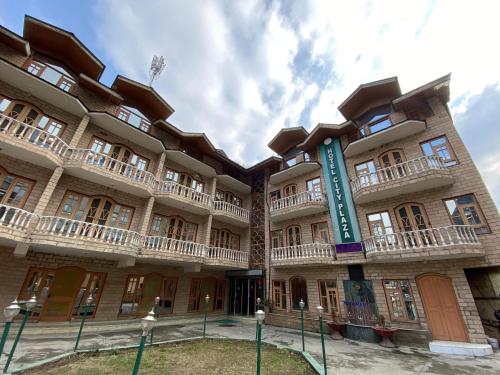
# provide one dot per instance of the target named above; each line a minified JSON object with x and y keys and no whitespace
{"x":294,"y":235}
{"x":150,"y":290}
{"x":441,"y":308}
{"x":62,"y":293}
{"x":391,"y":162}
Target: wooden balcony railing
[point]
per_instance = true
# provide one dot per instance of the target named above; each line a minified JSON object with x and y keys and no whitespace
{"x":167,"y":246}
{"x":32,"y":135}
{"x":185,"y":192}
{"x":231,"y":209}
{"x":231,"y":255}
{"x":15,"y":218}
{"x":310,"y":250}
{"x":298,"y":199}
{"x":452,"y":235}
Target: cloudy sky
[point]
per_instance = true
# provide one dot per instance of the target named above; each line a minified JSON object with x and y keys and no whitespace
{"x":241,"y":70}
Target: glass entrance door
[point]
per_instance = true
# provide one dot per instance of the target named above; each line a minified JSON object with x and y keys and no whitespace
{"x":243,"y":294}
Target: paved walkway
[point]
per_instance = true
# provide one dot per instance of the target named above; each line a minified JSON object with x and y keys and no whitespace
{"x":344,"y":357}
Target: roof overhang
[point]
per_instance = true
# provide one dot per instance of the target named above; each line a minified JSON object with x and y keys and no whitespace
{"x":63,"y":46}
{"x":14,"y":41}
{"x":287,"y":138}
{"x":189,"y":162}
{"x":384,"y":89}
{"x":293,"y":172}
{"x":143,"y":97}
{"x":322,"y":131}
{"x":233,"y":183}
{"x":100,"y":89}
{"x":439,"y":87}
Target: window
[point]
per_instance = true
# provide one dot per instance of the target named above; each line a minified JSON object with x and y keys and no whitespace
{"x":173,"y":227}
{"x":442,"y":148}
{"x":131,"y":295}
{"x":374,"y":120}
{"x":314,"y":188}
{"x":290,"y":190}
{"x":167,"y":296}
{"x":275,"y":195}
{"x":412,"y":218}
{"x":293,"y":235}
{"x":279,"y":294}
{"x":298,"y":288}
{"x":381,"y":227}
{"x":134,"y":117}
{"x":107,"y":154}
{"x":14,"y":190}
{"x":465,"y":210}
{"x":291,"y":162}
{"x":227,"y":196}
{"x":225,"y":239}
{"x":220,"y":292}
{"x":276,"y":239}
{"x":392,"y":164}
{"x":307,"y":157}
{"x":52,"y":73}
{"x":194,"y":295}
{"x":92,"y":284}
{"x":366,"y":173}
{"x":320,"y":232}
{"x":400,"y":300}
{"x":328,"y":295}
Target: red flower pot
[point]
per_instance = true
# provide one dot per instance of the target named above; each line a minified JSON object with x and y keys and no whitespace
{"x":337,"y":329}
{"x":386,"y":334}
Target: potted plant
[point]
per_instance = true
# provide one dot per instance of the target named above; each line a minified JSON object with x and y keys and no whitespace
{"x":337,"y":325}
{"x":386,"y":333}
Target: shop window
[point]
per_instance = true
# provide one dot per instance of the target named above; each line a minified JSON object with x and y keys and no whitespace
{"x":298,"y":287}
{"x":400,"y":300}
{"x":14,"y":190}
{"x":328,"y":295}
{"x":276,"y":239}
{"x":279,"y":294}
{"x":465,"y":210}
{"x":320,"y":232}
{"x":440,"y":147}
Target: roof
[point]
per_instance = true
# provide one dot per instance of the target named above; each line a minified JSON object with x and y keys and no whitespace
{"x":439,"y":87}
{"x":287,"y":138}
{"x":322,"y":131}
{"x":143,"y":97}
{"x":14,"y":41}
{"x":385,"y":88}
{"x":63,"y":46}
{"x":99,"y":88}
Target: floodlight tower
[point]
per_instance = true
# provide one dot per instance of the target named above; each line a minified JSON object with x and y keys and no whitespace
{"x":157,"y":66}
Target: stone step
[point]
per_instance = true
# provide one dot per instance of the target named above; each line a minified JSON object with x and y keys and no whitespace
{"x":460,"y":348}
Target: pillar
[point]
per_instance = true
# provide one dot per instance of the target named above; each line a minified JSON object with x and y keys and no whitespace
{"x":79,"y":131}
{"x":159,"y":169}
{"x":48,"y":191}
{"x":146,"y":216}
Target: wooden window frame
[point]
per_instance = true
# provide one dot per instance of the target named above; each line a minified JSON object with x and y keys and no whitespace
{"x":233,"y":196}
{"x":278,"y":191}
{"x":300,"y":234}
{"x":319,"y":184}
{"x":44,"y":63}
{"x":199,"y":280}
{"x":282,"y":284}
{"x":232,"y":236}
{"x":218,"y":282}
{"x":97,"y":297}
{"x":448,"y":146}
{"x":327,"y":231}
{"x":121,"y":153}
{"x":280,"y":238}
{"x":31,"y":185}
{"x":379,"y":213}
{"x":162,"y":292}
{"x":408,"y":204}
{"x":120,"y":315}
{"x":479,"y":211}
{"x":168,"y":217}
{"x":291,"y":292}
{"x":337,"y":304}
{"x":405,"y":312}
{"x":293,"y":185}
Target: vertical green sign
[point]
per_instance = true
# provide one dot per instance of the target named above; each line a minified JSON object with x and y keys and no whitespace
{"x":346,"y":230}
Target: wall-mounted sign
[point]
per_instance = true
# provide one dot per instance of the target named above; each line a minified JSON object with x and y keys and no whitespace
{"x":346,"y":229}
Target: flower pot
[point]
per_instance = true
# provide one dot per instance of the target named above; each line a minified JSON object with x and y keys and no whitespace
{"x":337,"y":328}
{"x":386,"y":335}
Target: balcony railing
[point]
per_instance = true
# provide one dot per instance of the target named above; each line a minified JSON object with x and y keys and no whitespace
{"x":167,"y":246}
{"x":128,"y":171}
{"x":185,"y":192}
{"x":298,"y":199}
{"x":32,"y":135}
{"x":231,"y":209}
{"x":310,"y":250}
{"x":74,"y":229}
{"x":231,"y":255}
{"x":452,"y":235}
{"x":15,"y":218}
{"x":398,"y":171}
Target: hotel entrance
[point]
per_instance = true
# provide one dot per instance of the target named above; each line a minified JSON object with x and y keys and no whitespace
{"x":244,"y":289}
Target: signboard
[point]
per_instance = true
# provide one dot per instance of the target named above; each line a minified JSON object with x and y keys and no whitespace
{"x":346,"y":229}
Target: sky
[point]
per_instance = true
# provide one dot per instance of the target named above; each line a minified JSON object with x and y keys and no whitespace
{"x":241,"y":70}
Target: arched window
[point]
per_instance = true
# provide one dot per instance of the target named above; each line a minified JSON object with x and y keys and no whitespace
{"x":117,"y":152}
{"x":184,"y":179}
{"x":290,"y":190}
{"x":374,"y":120}
{"x":225,"y":239}
{"x":298,"y":287}
{"x":391,"y":163}
{"x":14,"y":190}
{"x":293,"y":235}
{"x":413,"y":218}
{"x":173,"y":227}
{"x":51,"y":72}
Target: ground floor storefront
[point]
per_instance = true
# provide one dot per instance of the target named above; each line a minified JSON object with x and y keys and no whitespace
{"x":62,"y":285}
{"x":427,"y":301}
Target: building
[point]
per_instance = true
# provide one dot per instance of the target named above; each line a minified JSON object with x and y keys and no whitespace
{"x":384,"y":214}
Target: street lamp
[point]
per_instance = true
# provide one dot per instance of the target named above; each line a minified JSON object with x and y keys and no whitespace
{"x":147,"y":324}
{"x":302,"y":305}
{"x":9,"y":312}
{"x":88,"y":303}
{"x":157,"y":302}
{"x":320,"y":314}
{"x":257,"y":322}
{"x":259,"y":315}
{"x":30,"y":305}
{"x":207,"y":299}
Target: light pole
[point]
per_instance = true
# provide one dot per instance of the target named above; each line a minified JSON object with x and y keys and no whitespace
{"x":320,"y":314}
{"x":259,"y":315}
{"x":147,"y":324}
{"x":30,"y":304}
{"x":155,"y":308}
{"x":89,"y":301}
{"x":10,"y":312}
{"x":207,"y":299}
{"x":302,"y":305}
{"x":257,"y":322}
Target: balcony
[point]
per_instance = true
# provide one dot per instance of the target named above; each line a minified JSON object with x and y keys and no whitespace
{"x":450,"y":242}
{"x":14,"y":224}
{"x":183,"y":197}
{"x":31,"y":144}
{"x":294,"y":171}
{"x":170,"y":250}
{"x":226,"y":258}
{"x":424,"y":173}
{"x":102,"y":169}
{"x":299,"y":205}
{"x":301,"y":255}
{"x":392,"y":133}
{"x":231,"y":214}
{"x":86,"y":239}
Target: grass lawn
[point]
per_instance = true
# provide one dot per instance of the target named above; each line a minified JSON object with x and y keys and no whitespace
{"x":221,"y":357}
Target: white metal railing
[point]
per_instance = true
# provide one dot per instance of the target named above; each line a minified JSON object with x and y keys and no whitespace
{"x":298,"y":199}
{"x":309,"y":250}
{"x":15,"y":218}
{"x":218,"y":253}
{"x":423,"y":238}
{"x":231,"y":209}
{"x":173,"y":188}
{"x":32,"y":135}
{"x":68,"y":228}
{"x":173,"y":246}
{"x":397,"y":171}
{"x":99,"y":160}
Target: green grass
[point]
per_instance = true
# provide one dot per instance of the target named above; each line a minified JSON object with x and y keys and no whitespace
{"x":201,"y":357}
